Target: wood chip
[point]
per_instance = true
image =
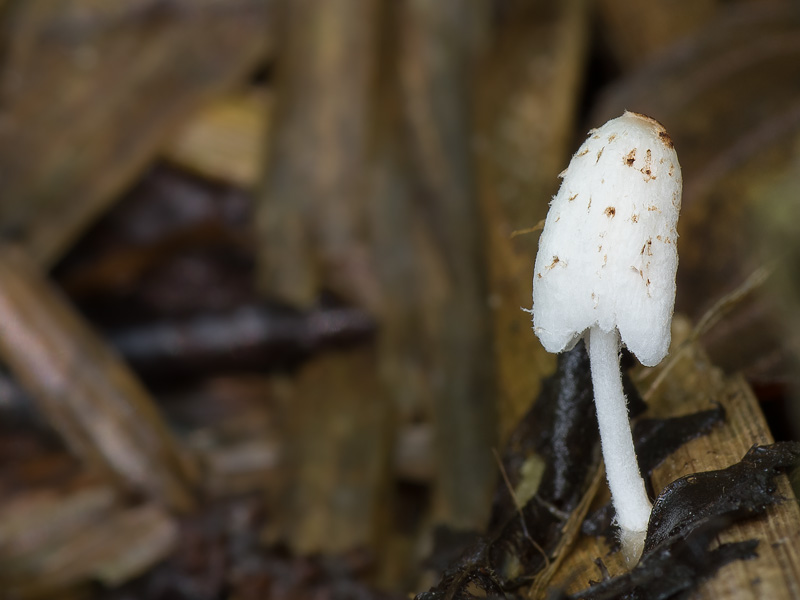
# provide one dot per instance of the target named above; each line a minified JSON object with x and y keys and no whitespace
{"x":226,"y":140}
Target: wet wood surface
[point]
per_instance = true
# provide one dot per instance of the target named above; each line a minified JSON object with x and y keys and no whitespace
{"x":697,"y":385}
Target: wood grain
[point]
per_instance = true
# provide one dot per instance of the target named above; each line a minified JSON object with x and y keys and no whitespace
{"x":85,"y":391}
{"x":694,"y":385}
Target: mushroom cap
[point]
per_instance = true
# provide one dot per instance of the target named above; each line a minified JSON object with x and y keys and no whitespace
{"x":607,"y":255}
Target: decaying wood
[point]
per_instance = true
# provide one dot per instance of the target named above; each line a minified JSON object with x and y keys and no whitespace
{"x":312,"y":222}
{"x":237,"y":466}
{"x":59,"y":540}
{"x":226,"y":140}
{"x":315,"y":219}
{"x":526,"y":93}
{"x":86,"y":393}
{"x":310,"y":216}
{"x":233,"y":430}
{"x":436,"y":50}
{"x":696,"y":385}
{"x":91,"y":93}
{"x":336,"y":428}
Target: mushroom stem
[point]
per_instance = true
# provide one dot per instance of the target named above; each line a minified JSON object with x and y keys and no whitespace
{"x":628,"y":493}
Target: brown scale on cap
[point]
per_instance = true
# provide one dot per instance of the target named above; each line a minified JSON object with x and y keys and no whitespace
{"x":662,"y":132}
{"x":599,"y":154}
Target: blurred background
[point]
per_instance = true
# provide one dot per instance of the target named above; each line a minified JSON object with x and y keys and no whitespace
{"x":263,"y":266}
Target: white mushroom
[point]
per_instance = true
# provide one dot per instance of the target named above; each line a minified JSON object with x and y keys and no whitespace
{"x":606,"y":270}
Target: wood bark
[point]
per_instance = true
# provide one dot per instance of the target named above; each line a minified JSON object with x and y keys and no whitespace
{"x":312,"y":239}
{"x":336,"y":457}
{"x":430,"y":247}
{"x":370,"y":195}
{"x":85,"y":391}
{"x":310,"y":213}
